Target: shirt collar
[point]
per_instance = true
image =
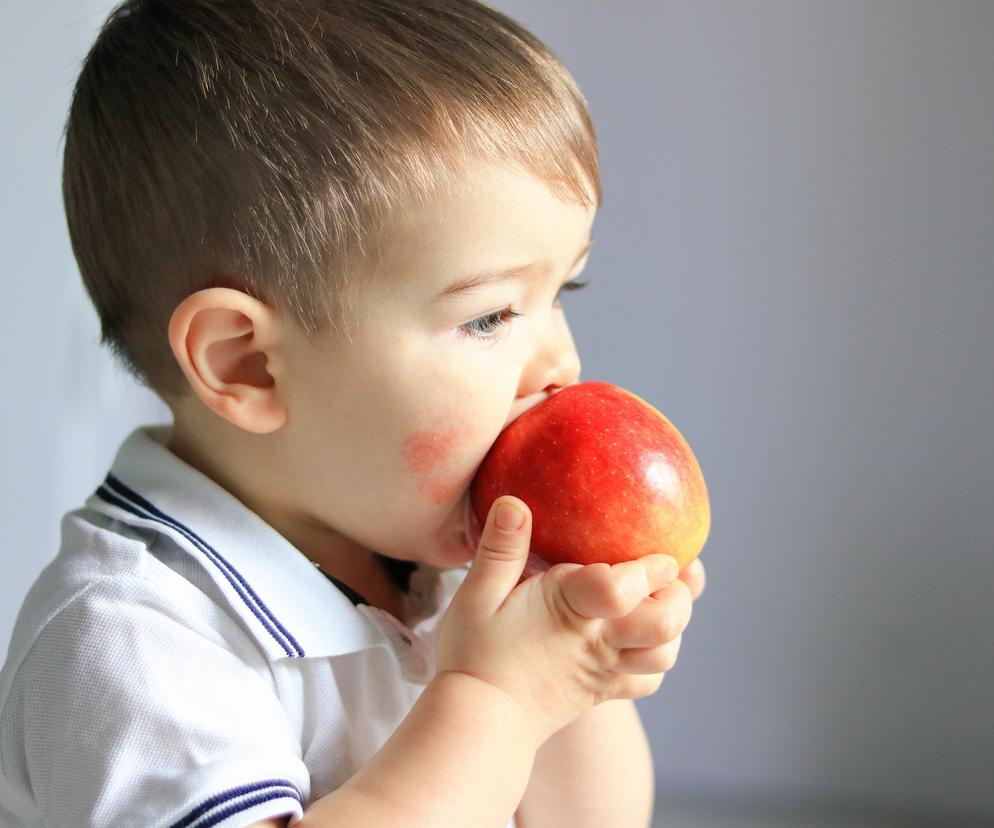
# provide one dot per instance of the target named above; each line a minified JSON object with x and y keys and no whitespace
{"x":290,"y":607}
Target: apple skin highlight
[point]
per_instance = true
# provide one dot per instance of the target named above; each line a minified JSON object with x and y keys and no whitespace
{"x":608,"y":478}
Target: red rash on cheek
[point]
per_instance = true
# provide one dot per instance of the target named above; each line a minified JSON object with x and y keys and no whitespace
{"x":424,"y":450}
{"x":426,"y":454}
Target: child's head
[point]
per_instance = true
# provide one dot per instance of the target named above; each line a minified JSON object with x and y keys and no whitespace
{"x":265,"y":145}
{"x":331,"y":167}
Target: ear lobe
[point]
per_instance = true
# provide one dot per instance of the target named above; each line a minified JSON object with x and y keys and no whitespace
{"x":224,"y":341}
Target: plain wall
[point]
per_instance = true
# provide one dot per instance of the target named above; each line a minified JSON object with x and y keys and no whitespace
{"x":794,"y":262}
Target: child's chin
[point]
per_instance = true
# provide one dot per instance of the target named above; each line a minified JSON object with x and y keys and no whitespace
{"x":460,"y":543}
{"x":455,"y":551}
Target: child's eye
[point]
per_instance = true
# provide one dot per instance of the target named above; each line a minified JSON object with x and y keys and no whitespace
{"x":572,"y":285}
{"x":486,"y":326}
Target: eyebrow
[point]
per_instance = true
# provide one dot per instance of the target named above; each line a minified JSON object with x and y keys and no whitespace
{"x":485,"y":277}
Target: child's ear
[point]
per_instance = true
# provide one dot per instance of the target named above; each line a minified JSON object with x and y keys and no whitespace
{"x":226,"y":343}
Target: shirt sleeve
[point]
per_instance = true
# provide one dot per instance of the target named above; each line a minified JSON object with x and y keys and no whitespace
{"x":127,"y":711}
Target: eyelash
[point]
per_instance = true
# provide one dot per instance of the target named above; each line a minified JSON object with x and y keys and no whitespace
{"x":493,"y":322}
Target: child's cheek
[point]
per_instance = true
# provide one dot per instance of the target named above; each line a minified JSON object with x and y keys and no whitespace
{"x":432,"y":455}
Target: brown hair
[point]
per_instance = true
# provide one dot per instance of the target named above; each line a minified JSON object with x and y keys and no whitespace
{"x":262,"y":144}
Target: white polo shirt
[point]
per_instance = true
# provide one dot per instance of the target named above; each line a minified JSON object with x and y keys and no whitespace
{"x":181,"y":664}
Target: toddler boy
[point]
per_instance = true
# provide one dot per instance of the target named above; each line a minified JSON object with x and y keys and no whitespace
{"x":332,"y":235}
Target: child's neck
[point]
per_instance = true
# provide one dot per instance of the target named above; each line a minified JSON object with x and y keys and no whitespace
{"x":379,"y":580}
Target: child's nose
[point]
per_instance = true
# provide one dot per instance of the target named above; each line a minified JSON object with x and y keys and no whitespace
{"x":554,"y":363}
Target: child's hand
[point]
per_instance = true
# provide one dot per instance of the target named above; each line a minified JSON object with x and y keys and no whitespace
{"x":567,"y":638}
{"x":694,"y":577}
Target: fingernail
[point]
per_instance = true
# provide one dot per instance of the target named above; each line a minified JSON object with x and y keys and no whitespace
{"x":670,"y":568}
{"x":509,"y":517}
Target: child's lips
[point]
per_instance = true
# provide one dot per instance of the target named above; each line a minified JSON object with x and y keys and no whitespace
{"x":526,"y":404}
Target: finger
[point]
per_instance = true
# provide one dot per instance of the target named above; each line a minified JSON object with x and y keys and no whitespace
{"x":660,"y":618}
{"x":660,"y":569}
{"x":635,"y":686}
{"x":501,"y":554}
{"x":647,"y":660}
{"x":694,"y":577}
{"x":604,"y":591}
{"x":533,"y":566}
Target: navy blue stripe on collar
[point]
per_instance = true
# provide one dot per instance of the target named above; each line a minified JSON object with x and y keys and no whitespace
{"x":144,"y":509}
{"x":353,"y":595}
{"x":265,"y":791}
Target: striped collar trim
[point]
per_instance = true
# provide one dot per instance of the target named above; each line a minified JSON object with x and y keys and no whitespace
{"x":290,"y":607}
{"x":116,"y":493}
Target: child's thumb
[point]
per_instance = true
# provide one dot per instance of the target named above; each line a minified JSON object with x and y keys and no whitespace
{"x":502,"y":552}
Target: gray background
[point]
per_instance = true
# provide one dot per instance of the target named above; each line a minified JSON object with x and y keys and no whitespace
{"x":794,"y":262}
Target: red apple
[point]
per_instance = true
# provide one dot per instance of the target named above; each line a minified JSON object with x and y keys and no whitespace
{"x":606,"y":476}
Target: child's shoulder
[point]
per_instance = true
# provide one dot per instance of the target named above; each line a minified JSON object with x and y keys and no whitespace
{"x":174,"y":616}
{"x":117,"y":651}
{"x":93,"y":553}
